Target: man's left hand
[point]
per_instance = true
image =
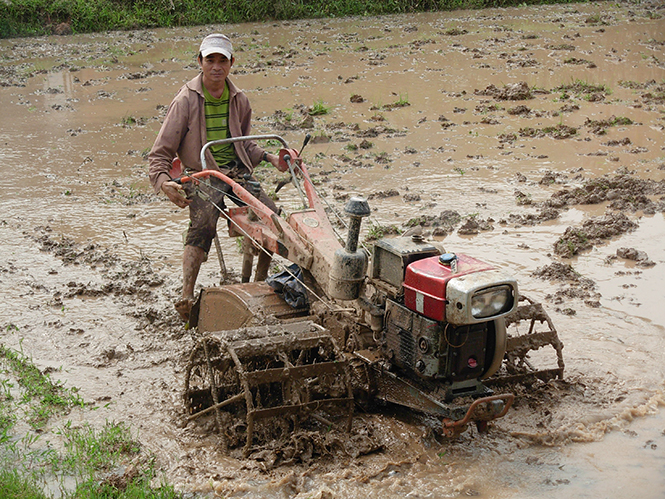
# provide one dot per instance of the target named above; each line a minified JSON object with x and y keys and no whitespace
{"x":274,"y":161}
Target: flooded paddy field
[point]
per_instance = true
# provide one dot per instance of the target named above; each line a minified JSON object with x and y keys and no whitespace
{"x":501,"y":133}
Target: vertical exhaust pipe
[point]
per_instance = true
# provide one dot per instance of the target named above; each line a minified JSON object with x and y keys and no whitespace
{"x":350,"y":264}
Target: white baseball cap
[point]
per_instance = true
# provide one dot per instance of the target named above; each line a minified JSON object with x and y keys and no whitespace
{"x":216,"y":44}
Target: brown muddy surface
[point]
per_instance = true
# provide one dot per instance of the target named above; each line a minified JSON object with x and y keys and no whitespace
{"x":531,"y":138}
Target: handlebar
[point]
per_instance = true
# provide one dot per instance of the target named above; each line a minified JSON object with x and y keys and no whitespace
{"x":288,"y":156}
{"x":232,"y":140}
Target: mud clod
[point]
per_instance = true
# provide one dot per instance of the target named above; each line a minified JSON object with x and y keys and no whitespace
{"x":474,"y":225}
{"x":628,"y":192}
{"x":512,"y":91}
{"x":592,"y":232}
{"x":574,"y":285}
{"x":640,"y":257}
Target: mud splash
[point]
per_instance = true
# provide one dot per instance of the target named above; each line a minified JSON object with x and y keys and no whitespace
{"x":493,"y":131}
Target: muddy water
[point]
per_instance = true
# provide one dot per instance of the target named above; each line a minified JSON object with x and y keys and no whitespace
{"x":80,"y":112}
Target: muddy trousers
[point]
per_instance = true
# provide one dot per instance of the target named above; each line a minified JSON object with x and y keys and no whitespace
{"x":204,"y":212}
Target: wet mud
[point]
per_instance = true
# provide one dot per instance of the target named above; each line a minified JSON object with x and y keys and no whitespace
{"x":531,"y":138}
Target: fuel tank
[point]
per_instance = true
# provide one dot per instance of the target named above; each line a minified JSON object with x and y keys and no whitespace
{"x":425,"y":283}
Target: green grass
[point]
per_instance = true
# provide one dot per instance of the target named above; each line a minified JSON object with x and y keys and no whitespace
{"x":377,"y":117}
{"x":576,"y":61}
{"x":486,"y":109}
{"x":561,"y":46}
{"x":15,"y":486}
{"x":599,"y":127}
{"x":128,"y":121}
{"x":319,"y":108}
{"x":88,"y":450}
{"x":41,"y":396}
{"x":402,"y":101}
{"x":105,"y":462}
{"x":594,"y":20}
{"x":40,"y":17}
{"x":582,"y":87}
{"x":559,"y":131}
{"x":377,"y":231}
{"x":632,"y":84}
{"x":136,"y":489}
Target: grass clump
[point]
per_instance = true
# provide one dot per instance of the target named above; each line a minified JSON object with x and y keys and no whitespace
{"x":579,"y":62}
{"x":88,"y":450}
{"x":102,"y":463}
{"x":523,"y":199}
{"x":402,"y":101}
{"x":595,"y":20}
{"x":15,"y":486}
{"x":583,"y":89}
{"x":455,"y":32}
{"x":40,"y":396}
{"x":377,"y":231}
{"x":561,"y":46}
{"x":599,"y":127}
{"x":559,"y":131}
{"x":129,"y":121}
{"x":571,"y":243}
{"x":486,"y":109}
{"x":319,"y":108}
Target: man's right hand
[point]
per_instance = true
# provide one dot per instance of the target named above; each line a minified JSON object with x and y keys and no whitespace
{"x":175,"y":193}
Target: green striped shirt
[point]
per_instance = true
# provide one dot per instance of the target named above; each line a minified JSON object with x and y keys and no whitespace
{"x":217,"y":125}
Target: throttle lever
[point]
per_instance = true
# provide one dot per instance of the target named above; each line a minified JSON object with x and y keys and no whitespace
{"x":308,"y":137}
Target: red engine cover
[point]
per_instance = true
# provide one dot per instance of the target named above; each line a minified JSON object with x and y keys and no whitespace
{"x":425,"y":283}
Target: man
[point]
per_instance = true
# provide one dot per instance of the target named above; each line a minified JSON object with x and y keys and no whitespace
{"x":209,"y":107}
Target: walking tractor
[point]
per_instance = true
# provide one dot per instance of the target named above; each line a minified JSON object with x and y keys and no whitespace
{"x":402,"y":322}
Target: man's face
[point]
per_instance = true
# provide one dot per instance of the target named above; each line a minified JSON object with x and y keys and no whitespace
{"x":215,"y":67}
